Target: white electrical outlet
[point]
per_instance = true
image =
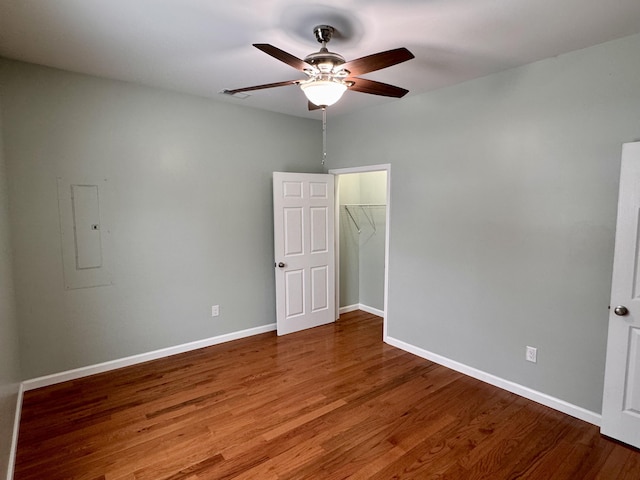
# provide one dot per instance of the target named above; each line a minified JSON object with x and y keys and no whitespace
{"x":215,"y":310}
{"x":531,"y":354}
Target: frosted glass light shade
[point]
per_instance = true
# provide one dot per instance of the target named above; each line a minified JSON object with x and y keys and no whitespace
{"x":323,"y":92}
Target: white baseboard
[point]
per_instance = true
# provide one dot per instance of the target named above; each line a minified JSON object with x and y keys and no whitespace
{"x":364,"y":308}
{"x":14,"y":437}
{"x":143,"y":357}
{"x":526,"y":392}
{"x":371,"y":310}
{"x":349,"y":308}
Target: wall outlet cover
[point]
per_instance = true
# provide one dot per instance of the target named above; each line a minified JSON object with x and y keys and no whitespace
{"x":531,"y":354}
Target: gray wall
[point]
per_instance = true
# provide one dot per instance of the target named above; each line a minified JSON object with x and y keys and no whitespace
{"x":362,"y":254}
{"x":503,"y":197}
{"x":190,"y":208}
{"x":9,"y":356}
{"x":349,"y":186}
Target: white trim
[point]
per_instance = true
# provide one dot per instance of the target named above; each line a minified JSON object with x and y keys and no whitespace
{"x":349,"y":308}
{"x":364,"y":308}
{"x":369,"y":168}
{"x":336,"y":243}
{"x":526,"y":392}
{"x":371,"y":310}
{"x":14,"y":437}
{"x":143,"y":357}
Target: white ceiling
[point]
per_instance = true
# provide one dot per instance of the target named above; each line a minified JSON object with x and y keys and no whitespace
{"x":204,"y":46}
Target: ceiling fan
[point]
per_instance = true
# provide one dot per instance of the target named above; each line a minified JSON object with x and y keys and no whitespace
{"x":329,"y":75}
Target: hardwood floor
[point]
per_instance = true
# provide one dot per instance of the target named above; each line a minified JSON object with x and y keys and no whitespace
{"x":329,"y":403}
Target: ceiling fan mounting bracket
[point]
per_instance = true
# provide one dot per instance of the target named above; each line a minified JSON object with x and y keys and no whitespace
{"x":323,"y":33}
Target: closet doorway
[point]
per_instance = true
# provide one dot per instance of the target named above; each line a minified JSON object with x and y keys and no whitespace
{"x":362,"y":239}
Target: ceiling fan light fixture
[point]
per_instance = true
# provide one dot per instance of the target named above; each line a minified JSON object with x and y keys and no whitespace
{"x":323,"y":93}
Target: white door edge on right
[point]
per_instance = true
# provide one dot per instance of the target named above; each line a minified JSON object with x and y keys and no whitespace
{"x":621,"y":396}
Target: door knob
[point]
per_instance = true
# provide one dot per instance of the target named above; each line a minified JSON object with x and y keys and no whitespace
{"x":281,"y":265}
{"x":621,"y":310}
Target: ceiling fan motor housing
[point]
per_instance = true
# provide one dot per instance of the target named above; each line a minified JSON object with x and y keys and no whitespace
{"x":324,"y":60}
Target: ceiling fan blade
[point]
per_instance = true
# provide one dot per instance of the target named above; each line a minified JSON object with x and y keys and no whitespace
{"x":313,"y":106}
{"x":283,"y":56}
{"x":261,"y":87}
{"x":377,"y":61}
{"x":376,"y":88}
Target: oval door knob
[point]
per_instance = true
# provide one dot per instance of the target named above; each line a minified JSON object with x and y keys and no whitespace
{"x":621,"y":310}
{"x":281,"y":265}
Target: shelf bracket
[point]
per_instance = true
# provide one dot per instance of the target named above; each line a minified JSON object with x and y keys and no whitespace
{"x":369,"y":217}
{"x":346,"y":207}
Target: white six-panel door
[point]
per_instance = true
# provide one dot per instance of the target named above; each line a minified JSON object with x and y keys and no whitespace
{"x":304,"y":250}
{"x":621,"y":400}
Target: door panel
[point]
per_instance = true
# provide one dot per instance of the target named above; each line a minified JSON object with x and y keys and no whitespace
{"x":293,"y":234}
{"x":621,"y":398}
{"x":294,"y":293}
{"x":318,"y":190}
{"x":632,"y":397}
{"x":319,"y":229}
{"x":304,"y":250}
{"x":292,"y":189}
{"x":319,"y":288}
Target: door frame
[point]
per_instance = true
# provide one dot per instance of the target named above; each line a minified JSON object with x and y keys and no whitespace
{"x":386,"y":167}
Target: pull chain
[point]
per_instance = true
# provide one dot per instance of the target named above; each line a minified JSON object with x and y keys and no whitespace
{"x":324,"y":135}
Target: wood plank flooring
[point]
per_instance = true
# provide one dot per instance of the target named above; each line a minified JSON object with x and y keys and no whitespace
{"x":333,"y":402}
